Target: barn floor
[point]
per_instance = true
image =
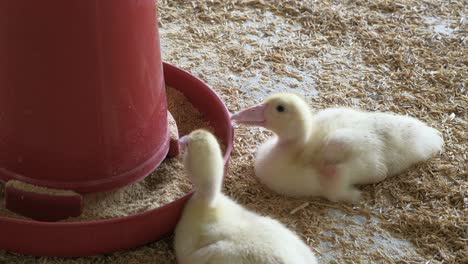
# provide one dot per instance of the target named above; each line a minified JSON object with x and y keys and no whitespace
{"x":409,"y":57}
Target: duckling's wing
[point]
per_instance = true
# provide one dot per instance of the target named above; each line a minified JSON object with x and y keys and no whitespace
{"x":218,"y":252}
{"x":206,"y":254}
{"x":228,"y":252}
{"x":340,"y":145}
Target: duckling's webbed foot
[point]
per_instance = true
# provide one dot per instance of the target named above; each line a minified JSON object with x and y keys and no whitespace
{"x":336,"y":188}
{"x":350,"y":195}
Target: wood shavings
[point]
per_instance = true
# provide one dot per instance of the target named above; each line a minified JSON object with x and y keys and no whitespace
{"x":375,"y":55}
{"x":300,"y":207}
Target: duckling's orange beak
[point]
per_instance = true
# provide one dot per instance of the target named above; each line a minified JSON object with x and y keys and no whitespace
{"x":183,"y":142}
{"x":252,"y":116}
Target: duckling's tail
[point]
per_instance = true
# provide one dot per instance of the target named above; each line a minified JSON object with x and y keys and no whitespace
{"x":428,"y":143}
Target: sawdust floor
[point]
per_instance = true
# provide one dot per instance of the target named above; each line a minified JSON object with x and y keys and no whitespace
{"x":409,"y":57}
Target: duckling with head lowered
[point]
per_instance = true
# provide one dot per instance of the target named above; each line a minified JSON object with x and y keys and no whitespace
{"x":215,"y":229}
{"x":327,"y":152}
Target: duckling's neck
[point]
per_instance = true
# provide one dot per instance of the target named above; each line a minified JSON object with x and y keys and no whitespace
{"x":299,"y":135}
{"x":298,"y":140}
{"x":208,"y":192}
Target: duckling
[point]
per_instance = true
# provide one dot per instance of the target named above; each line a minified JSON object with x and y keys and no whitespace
{"x":215,"y":229}
{"x":326,"y":153}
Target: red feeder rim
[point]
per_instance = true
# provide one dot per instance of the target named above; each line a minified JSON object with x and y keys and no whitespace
{"x":72,"y":239}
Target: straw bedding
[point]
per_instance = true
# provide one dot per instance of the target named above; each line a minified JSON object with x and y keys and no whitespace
{"x":409,"y":57}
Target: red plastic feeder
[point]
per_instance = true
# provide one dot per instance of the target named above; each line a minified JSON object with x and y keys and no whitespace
{"x":83,"y":109}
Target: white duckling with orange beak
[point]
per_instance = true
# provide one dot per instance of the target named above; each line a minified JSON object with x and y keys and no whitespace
{"x":215,"y":229}
{"x":326,"y":153}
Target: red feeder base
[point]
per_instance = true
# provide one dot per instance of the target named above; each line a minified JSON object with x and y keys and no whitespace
{"x":103,"y":236}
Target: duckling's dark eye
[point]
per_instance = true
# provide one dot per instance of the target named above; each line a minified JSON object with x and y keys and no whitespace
{"x":280,"y":108}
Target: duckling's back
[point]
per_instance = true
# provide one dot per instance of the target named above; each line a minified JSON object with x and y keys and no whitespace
{"x":392,"y":142}
{"x":228,"y":233}
{"x":407,"y":140}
